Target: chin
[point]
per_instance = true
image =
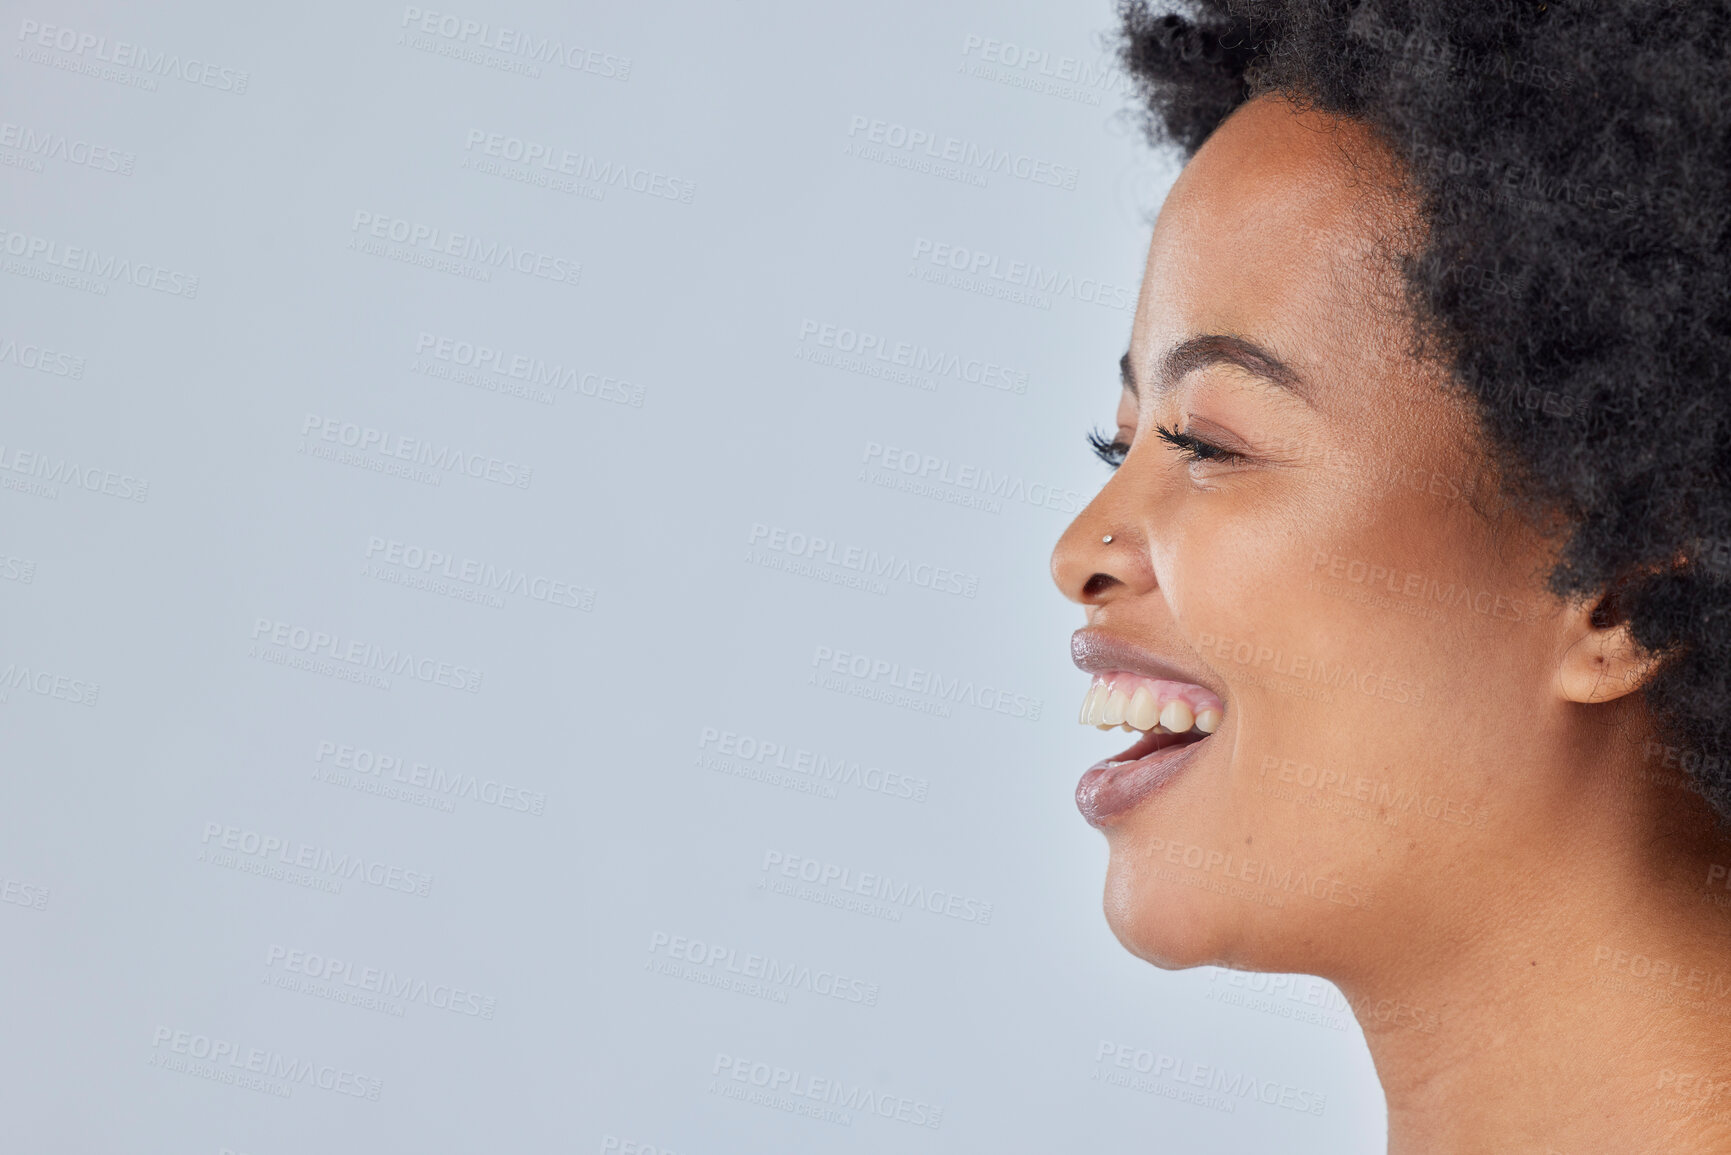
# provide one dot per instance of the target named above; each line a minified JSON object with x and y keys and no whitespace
{"x":1167,"y":923}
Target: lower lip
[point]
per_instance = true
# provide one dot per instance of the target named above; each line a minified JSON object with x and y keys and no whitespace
{"x":1112,"y":788}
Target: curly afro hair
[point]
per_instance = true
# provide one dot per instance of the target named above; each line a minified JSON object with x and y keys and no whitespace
{"x":1573,"y":165}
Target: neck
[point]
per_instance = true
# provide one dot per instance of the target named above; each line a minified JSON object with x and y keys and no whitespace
{"x":1579,"y":1000}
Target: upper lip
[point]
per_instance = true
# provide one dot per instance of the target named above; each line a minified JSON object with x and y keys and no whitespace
{"x":1100,"y":653}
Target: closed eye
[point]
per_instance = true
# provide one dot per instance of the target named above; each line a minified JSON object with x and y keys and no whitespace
{"x":1110,"y":450}
{"x":1194,"y":448}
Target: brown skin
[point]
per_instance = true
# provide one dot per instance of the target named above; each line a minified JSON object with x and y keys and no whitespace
{"x":1477,"y":932}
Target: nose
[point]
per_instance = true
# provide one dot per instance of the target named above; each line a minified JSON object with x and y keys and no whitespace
{"x":1104,"y":553}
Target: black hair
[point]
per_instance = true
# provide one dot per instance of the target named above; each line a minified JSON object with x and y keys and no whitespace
{"x":1572,"y":162}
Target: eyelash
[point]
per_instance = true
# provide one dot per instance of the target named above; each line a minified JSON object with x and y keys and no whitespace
{"x":1110,"y":450}
{"x":1191,"y":448}
{"x":1194,"y":448}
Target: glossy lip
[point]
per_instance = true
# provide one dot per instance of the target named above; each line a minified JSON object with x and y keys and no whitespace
{"x":1114,"y":786}
{"x":1100,"y":653}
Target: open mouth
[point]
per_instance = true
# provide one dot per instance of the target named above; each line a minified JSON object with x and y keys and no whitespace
{"x":1173,"y":718}
{"x":1152,"y":705}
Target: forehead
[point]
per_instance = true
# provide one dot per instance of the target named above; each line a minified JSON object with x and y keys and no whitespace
{"x":1280,"y":230}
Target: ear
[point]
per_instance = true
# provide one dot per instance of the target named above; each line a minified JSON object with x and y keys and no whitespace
{"x":1601,"y":660}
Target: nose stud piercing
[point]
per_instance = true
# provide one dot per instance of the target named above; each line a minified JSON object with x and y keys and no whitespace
{"x":1107,"y":540}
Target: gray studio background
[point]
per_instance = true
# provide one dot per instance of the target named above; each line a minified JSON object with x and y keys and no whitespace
{"x":523,"y":541}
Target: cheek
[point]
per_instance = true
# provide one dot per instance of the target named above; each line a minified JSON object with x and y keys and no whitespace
{"x":1310,"y":681}
{"x":1235,"y":584}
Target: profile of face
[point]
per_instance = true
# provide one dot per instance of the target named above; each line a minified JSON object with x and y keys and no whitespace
{"x":1301,"y":545}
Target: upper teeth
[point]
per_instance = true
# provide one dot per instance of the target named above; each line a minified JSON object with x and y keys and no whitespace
{"x":1139,"y":703}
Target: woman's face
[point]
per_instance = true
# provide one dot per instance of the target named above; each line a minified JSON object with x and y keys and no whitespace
{"x":1311,"y":557}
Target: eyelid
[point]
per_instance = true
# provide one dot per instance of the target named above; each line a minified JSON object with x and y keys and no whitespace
{"x":1196,"y":449}
{"x":1111,"y":452}
{"x":1222,"y":438}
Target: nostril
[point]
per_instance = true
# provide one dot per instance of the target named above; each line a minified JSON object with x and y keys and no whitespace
{"x":1098,"y":584}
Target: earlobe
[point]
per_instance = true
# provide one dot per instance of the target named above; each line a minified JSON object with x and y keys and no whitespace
{"x":1603,"y":663}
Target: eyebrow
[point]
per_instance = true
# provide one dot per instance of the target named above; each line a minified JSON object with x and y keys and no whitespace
{"x":1218,"y":349}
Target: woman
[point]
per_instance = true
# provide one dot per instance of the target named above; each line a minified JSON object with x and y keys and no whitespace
{"x":1414,"y":574}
